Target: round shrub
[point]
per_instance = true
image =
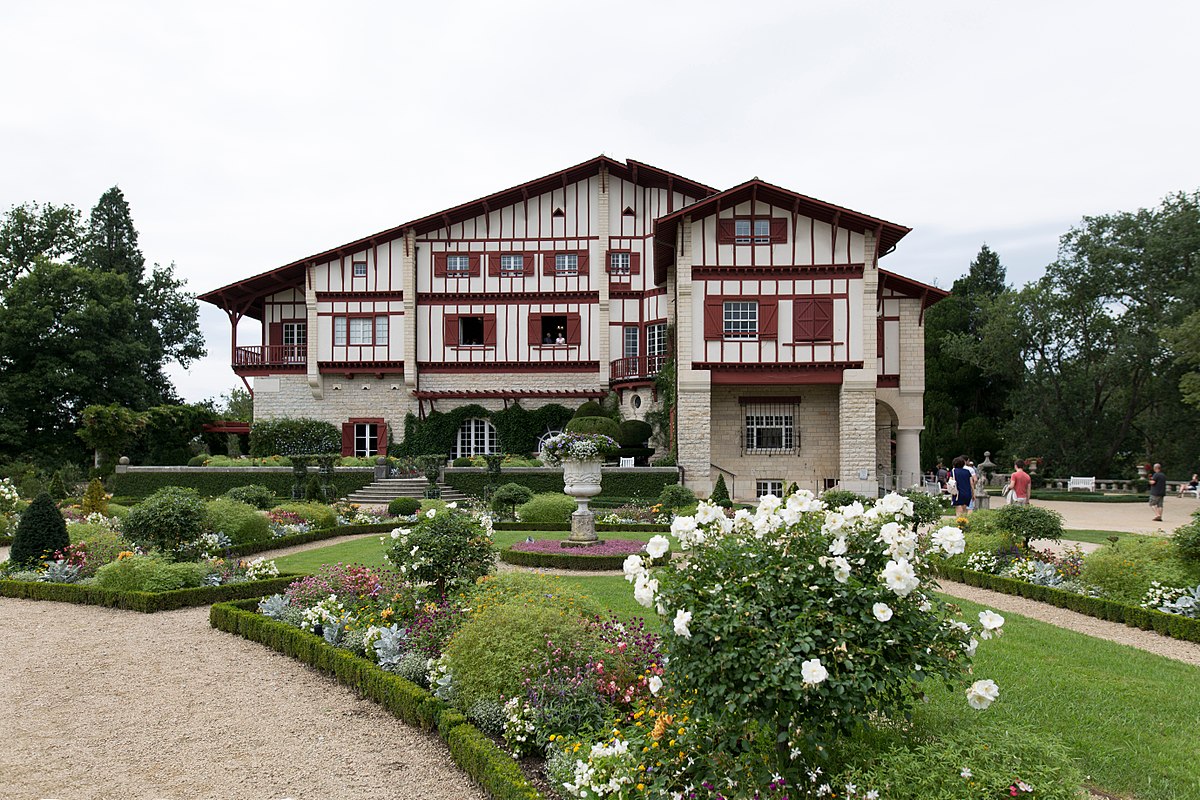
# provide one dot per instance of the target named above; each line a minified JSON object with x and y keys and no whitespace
{"x":674,"y":496}
{"x":601,"y":425}
{"x":171,"y":520}
{"x":506,"y":499}
{"x":840,"y":498}
{"x":198,"y":461}
{"x":464,"y":461}
{"x":549,"y":507}
{"x":589,"y":409}
{"x":318,"y":515}
{"x":241,"y":522}
{"x":1030,"y":522}
{"x":95,"y":499}
{"x":486,"y":655}
{"x":1187,"y":540}
{"x":150,"y":574}
{"x":449,"y":548}
{"x":635,"y":433}
{"x":254,"y":494}
{"x":404,"y":506}
{"x":531,"y":589}
{"x":41,"y":531}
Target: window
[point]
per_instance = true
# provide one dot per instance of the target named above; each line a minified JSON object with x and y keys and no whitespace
{"x":656,"y":339}
{"x":631,"y":342}
{"x":458,"y":265}
{"x":814,"y":319}
{"x":770,"y":429}
{"x":566,"y":264}
{"x":295,"y":341}
{"x":741,"y":319}
{"x":360,"y":269}
{"x":618,"y":263}
{"x":381,"y":330}
{"x":360,"y":331}
{"x":366,"y":439}
{"x":512,"y":264}
{"x":470,"y":330}
{"x":752,"y":230}
{"x":554,"y":329}
{"x":769,"y":486}
{"x":476,"y":437}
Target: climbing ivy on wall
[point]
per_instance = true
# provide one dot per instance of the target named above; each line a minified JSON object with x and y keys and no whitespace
{"x":517,"y":428}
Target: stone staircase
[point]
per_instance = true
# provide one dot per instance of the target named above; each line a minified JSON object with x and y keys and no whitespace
{"x":385,"y":490}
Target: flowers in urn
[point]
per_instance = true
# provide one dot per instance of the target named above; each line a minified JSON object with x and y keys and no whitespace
{"x":581,"y":446}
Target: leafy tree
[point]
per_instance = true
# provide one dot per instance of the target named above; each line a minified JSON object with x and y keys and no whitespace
{"x":237,"y":404}
{"x":111,"y":242}
{"x":110,"y":430}
{"x":31,"y":231}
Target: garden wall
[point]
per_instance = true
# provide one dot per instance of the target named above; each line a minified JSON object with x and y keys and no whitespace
{"x":140,"y":482}
{"x":643,"y":483}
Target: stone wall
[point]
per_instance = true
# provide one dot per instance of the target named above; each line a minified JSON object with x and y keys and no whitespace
{"x":364,"y":396}
{"x":857,"y":440}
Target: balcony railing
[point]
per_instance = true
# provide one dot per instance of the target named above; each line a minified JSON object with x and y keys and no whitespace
{"x":272,"y":355}
{"x":634,"y":368}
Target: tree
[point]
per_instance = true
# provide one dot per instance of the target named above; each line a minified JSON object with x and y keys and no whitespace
{"x":111,"y":242}
{"x":237,"y":404}
{"x":30,"y":231}
{"x":41,"y":532}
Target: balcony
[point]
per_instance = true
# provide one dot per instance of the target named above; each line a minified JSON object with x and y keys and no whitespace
{"x":270,"y":358}
{"x":634,"y":369}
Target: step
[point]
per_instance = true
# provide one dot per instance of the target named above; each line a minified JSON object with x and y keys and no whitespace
{"x":388,"y":489}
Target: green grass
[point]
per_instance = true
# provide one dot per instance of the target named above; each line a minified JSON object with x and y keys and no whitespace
{"x":1101,"y":537}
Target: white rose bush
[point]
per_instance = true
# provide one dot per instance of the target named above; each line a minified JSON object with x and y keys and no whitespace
{"x":795,"y":624}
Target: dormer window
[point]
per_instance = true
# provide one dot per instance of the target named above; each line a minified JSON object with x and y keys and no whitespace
{"x":360,"y":269}
{"x":752,"y":230}
{"x":756,"y":230}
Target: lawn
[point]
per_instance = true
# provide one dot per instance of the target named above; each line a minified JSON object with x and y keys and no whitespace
{"x":1101,"y":537}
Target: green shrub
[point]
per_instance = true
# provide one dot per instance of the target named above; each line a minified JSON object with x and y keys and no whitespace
{"x":448,"y":549}
{"x":635,"y":433}
{"x":532,"y":589}
{"x":676,"y":497}
{"x":642,"y":485}
{"x":465,"y":461}
{"x":197,"y":461}
{"x":1123,"y":571}
{"x":118,"y":511}
{"x":404,"y":506}
{"x":997,"y":758}
{"x":589,"y":408}
{"x":1030,"y":522}
{"x":255,"y":495}
{"x":95,"y":500}
{"x":101,"y":544}
{"x":548,"y":507}
{"x":41,"y":531}
{"x":57,"y":489}
{"x":840,"y":498}
{"x":214,"y":483}
{"x":241,"y":522}
{"x":927,"y":508}
{"x":506,"y":499}
{"x":720,"y":493}
{"x":171,"y":519}
{"x":265,"y":461}
{"x":1187,"y":540}
{"x":150,"y":574}
{"x":291,"y":437}
{"x":486,"y":654}
{"x":318,"y":515}
{"x":601,"y":425}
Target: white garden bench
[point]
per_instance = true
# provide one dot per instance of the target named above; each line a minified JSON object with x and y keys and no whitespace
{"x":1088,"y":484}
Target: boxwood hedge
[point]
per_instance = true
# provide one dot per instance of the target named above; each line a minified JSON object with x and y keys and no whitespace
{"x":648,"y":527}
{"x":646,"y":484}
{"x":480,"y":757}
{"x":568,"y":559}
{"x":146,"y":602}
{"x":213,"y":481}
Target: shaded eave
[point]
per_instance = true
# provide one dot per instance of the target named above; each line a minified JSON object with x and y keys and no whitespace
{"x":886,"y":233}
{"x":928,"y":295}
{"x":245,"y":297}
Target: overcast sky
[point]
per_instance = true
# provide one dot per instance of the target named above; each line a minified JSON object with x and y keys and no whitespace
{"x":247,"y":135}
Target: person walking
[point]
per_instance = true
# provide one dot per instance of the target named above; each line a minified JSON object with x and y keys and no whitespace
{"x":1158,"y":491}
{"x":963,"y":491}
{"x":1019,"y":483}
{"x":942,"y":473}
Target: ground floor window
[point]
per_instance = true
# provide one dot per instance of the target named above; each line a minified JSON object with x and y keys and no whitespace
{"x":770,"y":429}
{"x":366,"y":439}
{"x":476,"y":437}
{"x":768,"y":486}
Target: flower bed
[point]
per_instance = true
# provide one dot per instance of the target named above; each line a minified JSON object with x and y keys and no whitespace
{"x":146,"y":602}
{"x":564,"y":527}
{"x":609,"y":554}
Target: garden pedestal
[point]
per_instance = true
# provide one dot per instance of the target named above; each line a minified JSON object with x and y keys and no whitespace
{"x":581,"y":480}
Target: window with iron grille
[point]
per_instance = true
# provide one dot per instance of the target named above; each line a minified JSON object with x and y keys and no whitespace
{"x":741,"y":319}
{"x":770,"y":429}
{"x":768,"y":486}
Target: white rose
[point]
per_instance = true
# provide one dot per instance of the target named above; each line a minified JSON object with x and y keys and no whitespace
{"x":882,"y":612}
{"x":812,"y":671}
{"x":431,"y":513}
{"x":683,"y":525}
{"x":655,"y":683}
{"x":682,"y":618}
{"x":633,"y":567}
{"x":899,"y":577}
{"x":990,"y":620}
{"x":708,"y":512}
{"x":893,"y":503}
{"x":853,"y":510}
{"x":657,"y":546}
{"x":970,"y":647}
{"x":838,"y":547}
{"x":644,"y":589}
{"x":982,"y":694}
{"x":950,"y":539}
{"x":841,"y":569}
{"x":769,"y":504}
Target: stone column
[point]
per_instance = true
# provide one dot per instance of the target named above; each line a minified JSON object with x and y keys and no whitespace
{"x":693,"y":410}
{"x":857,"y":467}
{"x":908,"y":457}
{"x":310,"y":303}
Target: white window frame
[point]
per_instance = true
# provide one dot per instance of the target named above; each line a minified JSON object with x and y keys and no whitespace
{"x":761,"y":423}
{"x":631,"y":339}
{"x":458,"y":265}
{"x":295,"y":341}
{"x":736,"y":319}
{"x":618,"y":263}
{"x":656,"y":339}
{"x":476,"y":437}
{"x":512,"y":264}
{"x":566,"y":264}
{"x":339,"y":331}
{"x":381,"y":330}
{"x":766,"y":486}
{"x":359,"y":269}
{"x":366,"y":439}
{"x":756,"y":230}
{"x":360,"y":331}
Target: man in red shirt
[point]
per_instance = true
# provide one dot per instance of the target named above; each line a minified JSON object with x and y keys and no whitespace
{"x":1019,"y":483}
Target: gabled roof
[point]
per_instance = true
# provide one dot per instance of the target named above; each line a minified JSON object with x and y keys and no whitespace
{"x":911,"y":288}
{"x":887,"y":233}
{"x":246,"y":295}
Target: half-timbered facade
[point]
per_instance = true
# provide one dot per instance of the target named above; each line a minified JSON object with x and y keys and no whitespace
{"x":798,"y":359}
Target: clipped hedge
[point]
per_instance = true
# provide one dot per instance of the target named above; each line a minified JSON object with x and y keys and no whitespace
{"x":5,"y":541}
{"x":493,"y":769}
{"x":648,"y":527}
{"x":304,"y":538}
{"x":646,"y":484}
{"x":215,"y":481}
{"x":1172,"y":625}
{"x":568,"y":560}
{"x":146,"y":602}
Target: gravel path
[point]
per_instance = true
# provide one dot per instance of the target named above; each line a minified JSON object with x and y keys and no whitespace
{"x":99,"y":703}
{"x":317,"y":545}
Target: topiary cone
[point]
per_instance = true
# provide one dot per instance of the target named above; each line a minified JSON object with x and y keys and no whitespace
{"x":41,"y":531}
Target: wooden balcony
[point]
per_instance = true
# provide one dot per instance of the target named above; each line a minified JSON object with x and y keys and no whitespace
{"x":636,"y":369}
{"x":265,"y":359}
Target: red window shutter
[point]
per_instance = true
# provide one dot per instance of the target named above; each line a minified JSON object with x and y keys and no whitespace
{"x":583,"y":262}
{"x":381,"y":439}
{"x":573,"y":329}
{"x":879,"y":337}
{"x":768,"y":318}
{"x":535,"y":329}
{"x":714,"y":317}
{"x":489,"y":329}
{"x":804,"y":319}
{"x":451,"y":329}
{"x":823,"y":319}
{"x":494,"y":265}
{"x":474,"y":262}
{"x":635,"y":263}
{"x":529,"y":263}
{"x":726,"y":231}
{"x":275,"y":333}
{"x":347,"y":438}
{"x":778,"y":230}
{"x":548,"y":264}
{"x":439,"y":265}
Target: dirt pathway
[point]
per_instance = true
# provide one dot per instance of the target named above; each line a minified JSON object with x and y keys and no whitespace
{"x":100,"y":703}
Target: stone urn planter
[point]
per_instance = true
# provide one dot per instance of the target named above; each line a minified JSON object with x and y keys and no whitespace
{"x":581,"y":480}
